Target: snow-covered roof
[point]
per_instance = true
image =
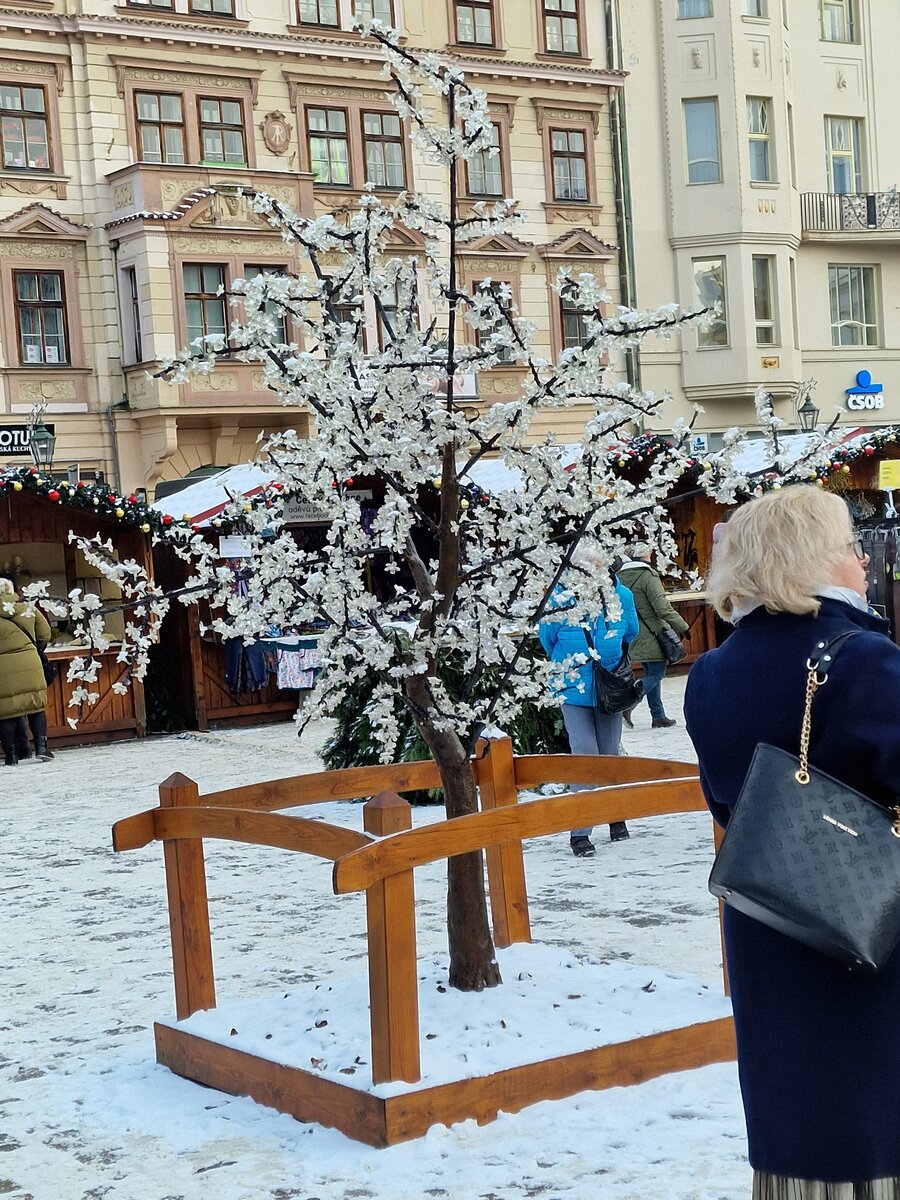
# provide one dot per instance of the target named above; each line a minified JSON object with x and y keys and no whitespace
{"x":200,"y":502}
{"x":755,"y":454}
{"x":493,"y":475}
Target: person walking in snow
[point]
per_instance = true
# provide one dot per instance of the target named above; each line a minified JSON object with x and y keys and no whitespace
{"x":818,"y":1046}
{"x":655,"y":613}
{"x":590,"y":730}
{"x":23,"y":688}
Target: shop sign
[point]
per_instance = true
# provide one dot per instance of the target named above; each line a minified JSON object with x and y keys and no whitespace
{"x":15,"y":440}
{"x":865,"y":394}
{"x":889,"y":474}
{"x":301,"y":512}
{"x":235,"y":547}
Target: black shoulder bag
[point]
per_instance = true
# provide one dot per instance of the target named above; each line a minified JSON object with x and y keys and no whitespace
{"x":809,"y":856}
{"x":615,"y":689}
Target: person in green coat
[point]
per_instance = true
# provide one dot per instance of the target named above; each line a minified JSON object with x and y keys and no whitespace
{"x":655,"y":614}
{"x":23,"y":688}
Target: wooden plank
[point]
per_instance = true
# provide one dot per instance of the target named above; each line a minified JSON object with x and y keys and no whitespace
{"x":260,"y":829}
{"x":188,"y":907}
{"x":535,"y":818}
{"x":376,"y":1122}
{"x":131,"y":833}
{"x":300,"y":1094}
{"x":496,"y":777}
{"x":195,"y":662}
{"x":533,"y":770}
{"x":393,"y":977}
{"x":321,"y":786}
{"x":620,"y":1065}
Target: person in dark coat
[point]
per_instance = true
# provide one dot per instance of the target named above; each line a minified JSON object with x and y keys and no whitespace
{"x":818,"y":1045}
{"x":655,"y":613}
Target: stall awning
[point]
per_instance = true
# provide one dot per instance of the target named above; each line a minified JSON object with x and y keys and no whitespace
{"x":204,"y":500}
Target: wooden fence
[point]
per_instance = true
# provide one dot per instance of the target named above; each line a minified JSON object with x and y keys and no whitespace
{"x":380,"y":862}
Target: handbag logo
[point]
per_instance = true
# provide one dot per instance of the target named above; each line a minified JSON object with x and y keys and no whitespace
{"x":838,"y":825}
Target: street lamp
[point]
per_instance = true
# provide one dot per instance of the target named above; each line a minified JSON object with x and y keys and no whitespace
{"x":808,"y":416}
{"x":42,"y":444}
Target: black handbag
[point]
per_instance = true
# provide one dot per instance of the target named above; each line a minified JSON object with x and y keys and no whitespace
{"x":615,"y":688}
{"x":809,"y":856}
{"x":671,"y":645}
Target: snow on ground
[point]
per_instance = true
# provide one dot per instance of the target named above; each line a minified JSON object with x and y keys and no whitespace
{"x":86,"y":1113}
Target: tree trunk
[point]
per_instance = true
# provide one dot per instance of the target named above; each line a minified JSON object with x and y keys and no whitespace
{"x":473,"y":962}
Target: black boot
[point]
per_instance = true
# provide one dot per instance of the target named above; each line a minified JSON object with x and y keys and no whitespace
{"x":8,"y":741}
{"x":11,"y":758}
{"x":41,"y":750}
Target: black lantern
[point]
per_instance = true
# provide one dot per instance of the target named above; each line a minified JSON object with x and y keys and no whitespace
{"x":808,"y":416}
{"x":42,"y":444}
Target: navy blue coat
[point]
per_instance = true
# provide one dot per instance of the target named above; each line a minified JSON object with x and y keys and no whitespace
{"x":818,"y":1045}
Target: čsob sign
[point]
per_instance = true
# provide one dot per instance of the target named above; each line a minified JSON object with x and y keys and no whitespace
{"x":15,"y":440}
{"x":865,"y":394}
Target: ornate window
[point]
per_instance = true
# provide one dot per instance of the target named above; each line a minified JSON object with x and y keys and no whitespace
{"x":854,"y":313}
{"x":568,"y":152}
{"x":709,"y":289}
{"x":221,"y":131}
{"x":760,"y":142}
{"x":561,"y":24}
{"x":329,"y":146}
{"x":319,"y":12}
{"x":24,"y":128}
{"x":574,"y":323}
{"x":383,"y":147}
{"x":41,"y":318}
{"x":475,"y":22}
{"x":204,"y":300}
{"x":251,"y":271}
{"x":160,"y":125}
{"x":482,"y":336}
{"x":484,"y":172}
{"x":843,"y":160}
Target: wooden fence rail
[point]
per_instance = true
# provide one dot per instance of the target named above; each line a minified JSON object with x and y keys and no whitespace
{"x":381,"y":862}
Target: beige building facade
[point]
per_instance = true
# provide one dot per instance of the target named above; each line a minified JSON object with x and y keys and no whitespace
{"x":128,"y":131}
{"x":763,"y":164}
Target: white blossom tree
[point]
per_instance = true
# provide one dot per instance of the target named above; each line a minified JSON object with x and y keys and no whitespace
{"x":472,"y":575}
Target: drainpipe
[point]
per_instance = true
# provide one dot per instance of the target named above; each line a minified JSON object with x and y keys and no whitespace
{"x":622,"y":180}
{"x":123,"y":403}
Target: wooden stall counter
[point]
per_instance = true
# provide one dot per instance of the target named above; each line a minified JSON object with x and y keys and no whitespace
{"x":693,"y":607}
{"x":112,"y":718}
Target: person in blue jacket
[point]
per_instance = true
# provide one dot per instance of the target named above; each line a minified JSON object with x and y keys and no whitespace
{"x":590,"y":731}
{"x":818,"y":1045}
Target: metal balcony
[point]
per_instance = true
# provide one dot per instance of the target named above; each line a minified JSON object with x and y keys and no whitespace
{"x":859,"y":212}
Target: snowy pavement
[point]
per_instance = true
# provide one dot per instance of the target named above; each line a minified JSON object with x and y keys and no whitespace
{"x":86,"y":1113}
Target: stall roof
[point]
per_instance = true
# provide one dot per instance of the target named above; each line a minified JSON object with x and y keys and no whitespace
{"x":206,"y":498}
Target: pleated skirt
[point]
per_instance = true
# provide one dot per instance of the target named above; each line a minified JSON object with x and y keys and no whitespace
{"x":776,"y":1187}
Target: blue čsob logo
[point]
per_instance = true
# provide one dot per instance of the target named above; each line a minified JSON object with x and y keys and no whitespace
{"x":865,"y":394}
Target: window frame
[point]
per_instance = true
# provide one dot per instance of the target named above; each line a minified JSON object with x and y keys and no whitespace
{"x":762,"y":13}
{"x":567,"y":156}
{"x":769,"y":323}
{"x":544,"y":51}
{"x":476,"y":5}
{"x":328,"y":136}
{"x":203,"y":12}
{"x":704,"y":336}
{"x":329,"y":25}
{"x":382,"y":139}
{"x":41,"y":305}
{"x":849,"y":19}
{"x":280,"y":268}
{"x":135,"y":324}
{"x":867,"y":270}
{"x":687,"y":104}
{"x":223,"y":127}
{"x":764,"y":139}
{"x":502,"y":160}
{"x":160,"y":124}
{"x":683,"y":16}
{"x":854,"y":155}
{"x":23,"y":115}
{"x":567,"y":311}
{"x":204,"y":297}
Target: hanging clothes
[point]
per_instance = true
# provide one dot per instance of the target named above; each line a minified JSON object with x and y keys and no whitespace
{"x":245,"y":666}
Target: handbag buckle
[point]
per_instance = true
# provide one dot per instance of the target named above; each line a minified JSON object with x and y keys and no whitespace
{"x":895,"y":824}
{"x":803,"y":777}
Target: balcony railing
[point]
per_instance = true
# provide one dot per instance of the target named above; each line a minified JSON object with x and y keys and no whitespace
{"x":856,"y":212}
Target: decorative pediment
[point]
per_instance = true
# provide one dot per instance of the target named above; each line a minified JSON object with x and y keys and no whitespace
{"x":497,"y":243}
{"x":577,"y":243}
{"x":37,"y":220}
{"x":403,"y":241}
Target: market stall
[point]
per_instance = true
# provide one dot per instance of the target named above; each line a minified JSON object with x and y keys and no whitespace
{"x":36,"y":515}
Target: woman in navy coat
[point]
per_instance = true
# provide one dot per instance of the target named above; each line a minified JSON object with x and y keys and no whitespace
{"x":818,"y":1045}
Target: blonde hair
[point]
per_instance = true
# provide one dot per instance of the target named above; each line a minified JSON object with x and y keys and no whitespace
{"x":780,"y":550}
{"x":7,"y":587}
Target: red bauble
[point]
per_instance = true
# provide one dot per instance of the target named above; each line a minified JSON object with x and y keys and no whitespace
{"x":167,"y":520}
{"x":132,"y":499}
{"x":80,"y":484}
{"x":53,"y":494}
{"x":870,"y":449}
{"x":111,"y":499}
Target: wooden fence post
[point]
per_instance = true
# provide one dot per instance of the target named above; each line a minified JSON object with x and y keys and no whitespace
{"x":505,"y":864}
{"x":195,"y":986}
{"x":393,"y":974}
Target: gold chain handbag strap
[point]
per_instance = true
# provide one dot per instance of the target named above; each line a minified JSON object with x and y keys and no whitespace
{"x":814,"y":681}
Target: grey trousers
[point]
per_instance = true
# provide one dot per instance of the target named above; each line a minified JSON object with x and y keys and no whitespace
{"x":590,"y":732}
